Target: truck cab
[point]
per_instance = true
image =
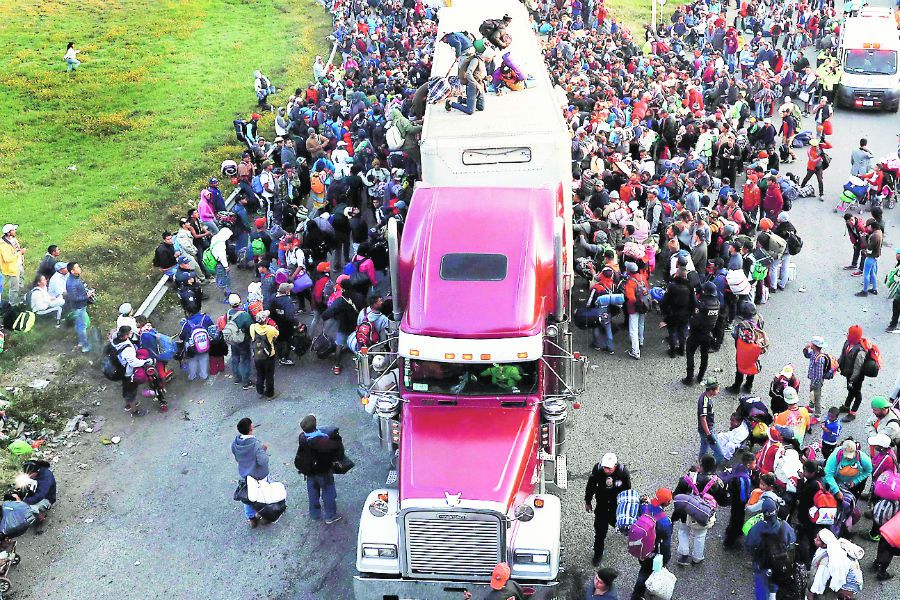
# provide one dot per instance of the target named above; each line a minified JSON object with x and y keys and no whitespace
{"x":471,"y":397}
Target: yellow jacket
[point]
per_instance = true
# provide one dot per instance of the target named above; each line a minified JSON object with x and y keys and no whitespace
{"x":9,"y":259}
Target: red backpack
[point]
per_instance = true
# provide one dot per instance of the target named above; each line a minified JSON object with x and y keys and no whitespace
{"x":824,"y":507}
{"x":366,"y":334}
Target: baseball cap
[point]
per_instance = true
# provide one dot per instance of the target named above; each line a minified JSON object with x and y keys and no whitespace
{"x":788,"y":371}
{"x":880,"y":439}
{"x":500,"y":576}
{"x":818,"y":341}
{"x":849,"y":449}
{"x":59,"y":266}
{"x":880,"y":402}
{"x":234,"y":299}
{"x":9,"y":227}
{"x":711,"y":383}
{"x":259,"y":222}
{"x":125,"y":308}
{"x":609,"y":460}
{"x":790,"y":396}
{"x":183,"y":260}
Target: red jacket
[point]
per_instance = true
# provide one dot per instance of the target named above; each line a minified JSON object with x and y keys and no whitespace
{"x":774,"y":201}
{"x":751,"y":196}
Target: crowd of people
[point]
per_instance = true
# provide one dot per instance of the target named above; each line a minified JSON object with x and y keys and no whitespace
{"x":681,"y":140}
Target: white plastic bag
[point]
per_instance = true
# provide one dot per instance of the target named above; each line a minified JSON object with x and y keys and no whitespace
{"x":264,"y":491}
{"x":661,"y":584}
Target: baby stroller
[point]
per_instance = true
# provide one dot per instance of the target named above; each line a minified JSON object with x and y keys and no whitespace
{"x":855,"y":191}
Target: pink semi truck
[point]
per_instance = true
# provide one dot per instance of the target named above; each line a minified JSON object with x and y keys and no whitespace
{"x":472,"y":394}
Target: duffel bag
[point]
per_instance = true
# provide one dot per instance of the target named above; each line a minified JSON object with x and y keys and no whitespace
{"x":587,"y":317}
{"x":627,"y":505}
{"x":888,"y":486}
{"x":16,"y":519}
{"x":696,"y":507}
{"x":270,"y":512}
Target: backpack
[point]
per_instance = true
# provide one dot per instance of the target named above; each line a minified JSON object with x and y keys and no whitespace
{"x":231,"y":333}
{"x":256,"y":184}
{"x":488,"y":27}
{"x":16,"y":519}
{"x":23,"y":322}
{"x":112,"y":366}
{"x":779,"y":557}
{"x":885,"y":510}
{"x":699,"y":505}
{"x":199,"y":339}
{"x":317,"y":183}
{"x":209,"y":261}
{"x":366,"y":335}
{"x":628,"y":505}
{"x":794,"y":244}
{"x":872,"y":364}
{"x":642,"y":537}
{"x":393,"y":137}
{"x":262,"y":347}
{"x":327,"y":291}
{"x":758,"y":271}
{"x":824,"y":507}
{"x":323,"y":346}
{"x":165,"y":347}
{"x":306,"y":461}
{"x":351,"y":268}
{"x":258,"y":247}
{"x":831,"y":366}
{"x":644,"y":302}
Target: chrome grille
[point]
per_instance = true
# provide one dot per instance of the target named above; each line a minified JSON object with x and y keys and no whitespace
{"x":443,"y":544}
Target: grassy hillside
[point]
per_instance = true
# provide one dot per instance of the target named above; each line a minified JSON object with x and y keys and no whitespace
{"x":634,"y":13}
{"x":100,"y":162}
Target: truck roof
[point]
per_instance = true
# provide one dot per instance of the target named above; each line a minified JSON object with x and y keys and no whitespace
{"x":440,"y":262}
{"x":533,"y":111}
{"x":486,"y":465}
{"x":858,"y":31}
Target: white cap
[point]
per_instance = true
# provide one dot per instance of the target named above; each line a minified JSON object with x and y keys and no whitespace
{"x":880,"y":439}
{"x":790,"y":396}
{"x":9,"y":227}
{"x":609,"y":460}
{"x":234,"y":299}
{"x":125,"y":309}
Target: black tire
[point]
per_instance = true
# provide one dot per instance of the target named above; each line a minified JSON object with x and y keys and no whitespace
{"x":5,"y":585}
{"x":17,"y":558}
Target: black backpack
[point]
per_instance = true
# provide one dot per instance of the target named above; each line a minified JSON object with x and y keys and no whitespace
{"x":794,"y":244}
{"x":307,"y":460}
{"x":488,"y":27}
{"x":262,"y":348}
{"x":112,"y":366}
{"x":779,"y":557}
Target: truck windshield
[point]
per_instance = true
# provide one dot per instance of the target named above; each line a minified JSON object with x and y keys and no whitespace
{"x":483,"y":379}
{"x":871,"y":62}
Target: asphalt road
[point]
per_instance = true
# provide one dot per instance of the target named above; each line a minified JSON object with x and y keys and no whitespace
{"x":153,"y":517}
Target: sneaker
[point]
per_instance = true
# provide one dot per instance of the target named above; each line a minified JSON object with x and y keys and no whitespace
{"x":856,"y":274}
{"x":247,"y":386}
{"x":813,"y":420}
{"x":447,"y":105}
{"x":139,"y":412}
{"x":253,"y":522}
{"x":883,"y":576}
{"x":850,"y":417}
{"x":672,"y":353}
{"x":733,"y":389}
{"x":850,"y":268}
{"x":697,"y":562}
{"x":890,"y":328}
{"x":286,"y":362}
{"x":861,"y":294}
{"x":821,"y":199}
{"x":333,"y":519}
{"x":688,"y":381}
{"x":843,"y":409}
{"x":684,"y":561}
{"x":746,"y":388}
{"x":610,"y":351}
{"x":336,"y":370}
{"x":634,"y":355}
{"x":236,"y":382}
{"x":873,"y":292}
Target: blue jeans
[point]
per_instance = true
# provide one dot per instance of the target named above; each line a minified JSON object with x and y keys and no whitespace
{"x":762,"y":586}
{"x":870,"y":273}
{"x":707,"y":448}
{"x":223,"y":278}
{"x":636,"y":331}
{"x":249,"y":511}
{"x":80,"y":316}
{"x":598,"y":332}
{"x":72,"y":64}
{"x":240,"y":362}
{"x":321,"y":491}
{"x":474,"y":100}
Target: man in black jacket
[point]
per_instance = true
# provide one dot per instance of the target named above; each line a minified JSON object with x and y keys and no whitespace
{"x":340,"y":319}
{"x":805,"y":529}
{"x":677,"y":307}
{"x":165,"y":257}
{"x":284,"y":313}
{"x":316,"y":452}
{"x":702,"y":325}
{"x":608,"y":479}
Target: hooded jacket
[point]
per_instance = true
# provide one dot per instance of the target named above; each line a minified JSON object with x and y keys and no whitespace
{"x":218,"y":246}
{"x":252,"y":460}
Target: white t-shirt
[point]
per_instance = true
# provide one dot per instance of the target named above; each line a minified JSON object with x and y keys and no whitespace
{"x":268,"y":181}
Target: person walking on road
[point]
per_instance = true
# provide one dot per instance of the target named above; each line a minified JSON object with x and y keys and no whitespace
{"x":706,"y":420}
{"x":851,"y":362}
{"x":252,"y":459}
{"x":692,"y":535}
{"x":656,"y":509}
{"x":607,"y":480}
{"x":771,"y":544}
{"x":316,"y":452}
{"x":814,"y":351}
{"x":815,"y":164}
{"x":749,"y":343}
{"x":263,"y":334}
{"x":861,"y":159}
{"x":874,"y":239}
{"x":238,"y":338}
{"x":702,"y":326}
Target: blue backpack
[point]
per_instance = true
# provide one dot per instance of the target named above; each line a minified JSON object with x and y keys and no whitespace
{"x":256,"y":184}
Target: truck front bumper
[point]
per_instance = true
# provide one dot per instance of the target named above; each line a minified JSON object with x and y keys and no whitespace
{"x":861,"y":98}
{"x":374,"y":588}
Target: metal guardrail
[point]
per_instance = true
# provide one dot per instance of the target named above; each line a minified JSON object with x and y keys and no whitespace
{"x":162,"y":286}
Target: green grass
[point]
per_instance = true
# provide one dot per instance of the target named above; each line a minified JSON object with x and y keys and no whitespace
{"x":146,"y":120}
{"x":634,"y":13}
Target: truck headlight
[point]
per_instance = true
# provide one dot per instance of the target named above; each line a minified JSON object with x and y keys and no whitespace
{"x":532,"y":557}
{"x":379,"y":551}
